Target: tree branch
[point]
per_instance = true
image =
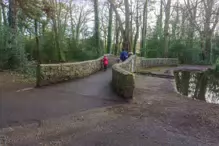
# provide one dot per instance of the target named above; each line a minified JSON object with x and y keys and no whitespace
{"x":117,"y":16}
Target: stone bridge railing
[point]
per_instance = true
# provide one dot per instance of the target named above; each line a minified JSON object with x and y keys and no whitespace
{"x":123,"y":79}
{"x":54,"y":73}
{"x":142,"y":63}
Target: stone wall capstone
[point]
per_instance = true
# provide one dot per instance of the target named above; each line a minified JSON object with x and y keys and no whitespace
{"x":54,"y":73}
{"x":123,"y":81}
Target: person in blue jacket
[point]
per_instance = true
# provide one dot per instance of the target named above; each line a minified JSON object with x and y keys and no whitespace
{"x":123,"y":55}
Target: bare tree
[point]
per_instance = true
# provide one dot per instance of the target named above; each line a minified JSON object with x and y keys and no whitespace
{"x":208,"y":12}
{"x":192,"y":9}
{"x":125,"y":31}
{"x":210,"y":23}
{"x":59,"y":17}
{"x":79,"y":17}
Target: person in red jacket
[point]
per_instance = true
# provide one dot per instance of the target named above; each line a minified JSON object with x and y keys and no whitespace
{"x":105,"y":62}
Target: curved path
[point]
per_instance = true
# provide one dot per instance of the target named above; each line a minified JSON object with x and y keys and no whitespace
{"x":19,"y":108}
{"x":157,"y":117}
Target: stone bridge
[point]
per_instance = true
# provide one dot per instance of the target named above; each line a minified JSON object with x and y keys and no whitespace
{"x":123,"y":80}
{"x":86,"y":111}
{"x":95,"y":88}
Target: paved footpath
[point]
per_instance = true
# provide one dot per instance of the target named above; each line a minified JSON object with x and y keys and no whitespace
{"x":31,"y":106}
{"x":158,"y":116}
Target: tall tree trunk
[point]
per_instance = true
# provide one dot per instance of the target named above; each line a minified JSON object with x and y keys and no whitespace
{"x":144,"y":29}
{"x":160,"y":21}
{"x":0,"y":15}
{"x":191,"y":26}
{"x":137,"y":29}
{"x":13,"y":15}
{"x":124,"y":32}
{"x":97,"y":27}
{"x":136,"y":38}
{"x":58,"y":29}
{"x":126,"y":41}
{"x":56,"y":35}
{"x":12,"y":19}
{"x":182,"y":35}
{"x":159,"y":27}
{"x":131,"y":31}
{"x":71,"y":19}
{"x":208,"y":6}
{"x":109,"y":41}
{"x":166,"y":28}
{"x":117,"y":37}
{"x":3,"y":14}
{"x":1,"y":41}
{"x":78,"y":27}
{"x":208,"y":46}
{"x":38,"y":76}
{"x":175,"y":23}
{"x":105,"y":40}
{"x":55,"y":27}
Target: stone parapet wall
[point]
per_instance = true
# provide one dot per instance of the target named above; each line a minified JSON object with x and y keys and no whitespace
{"x":54,"y":73}
{"x":155,"y":62}
{"x":123,"y":81}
